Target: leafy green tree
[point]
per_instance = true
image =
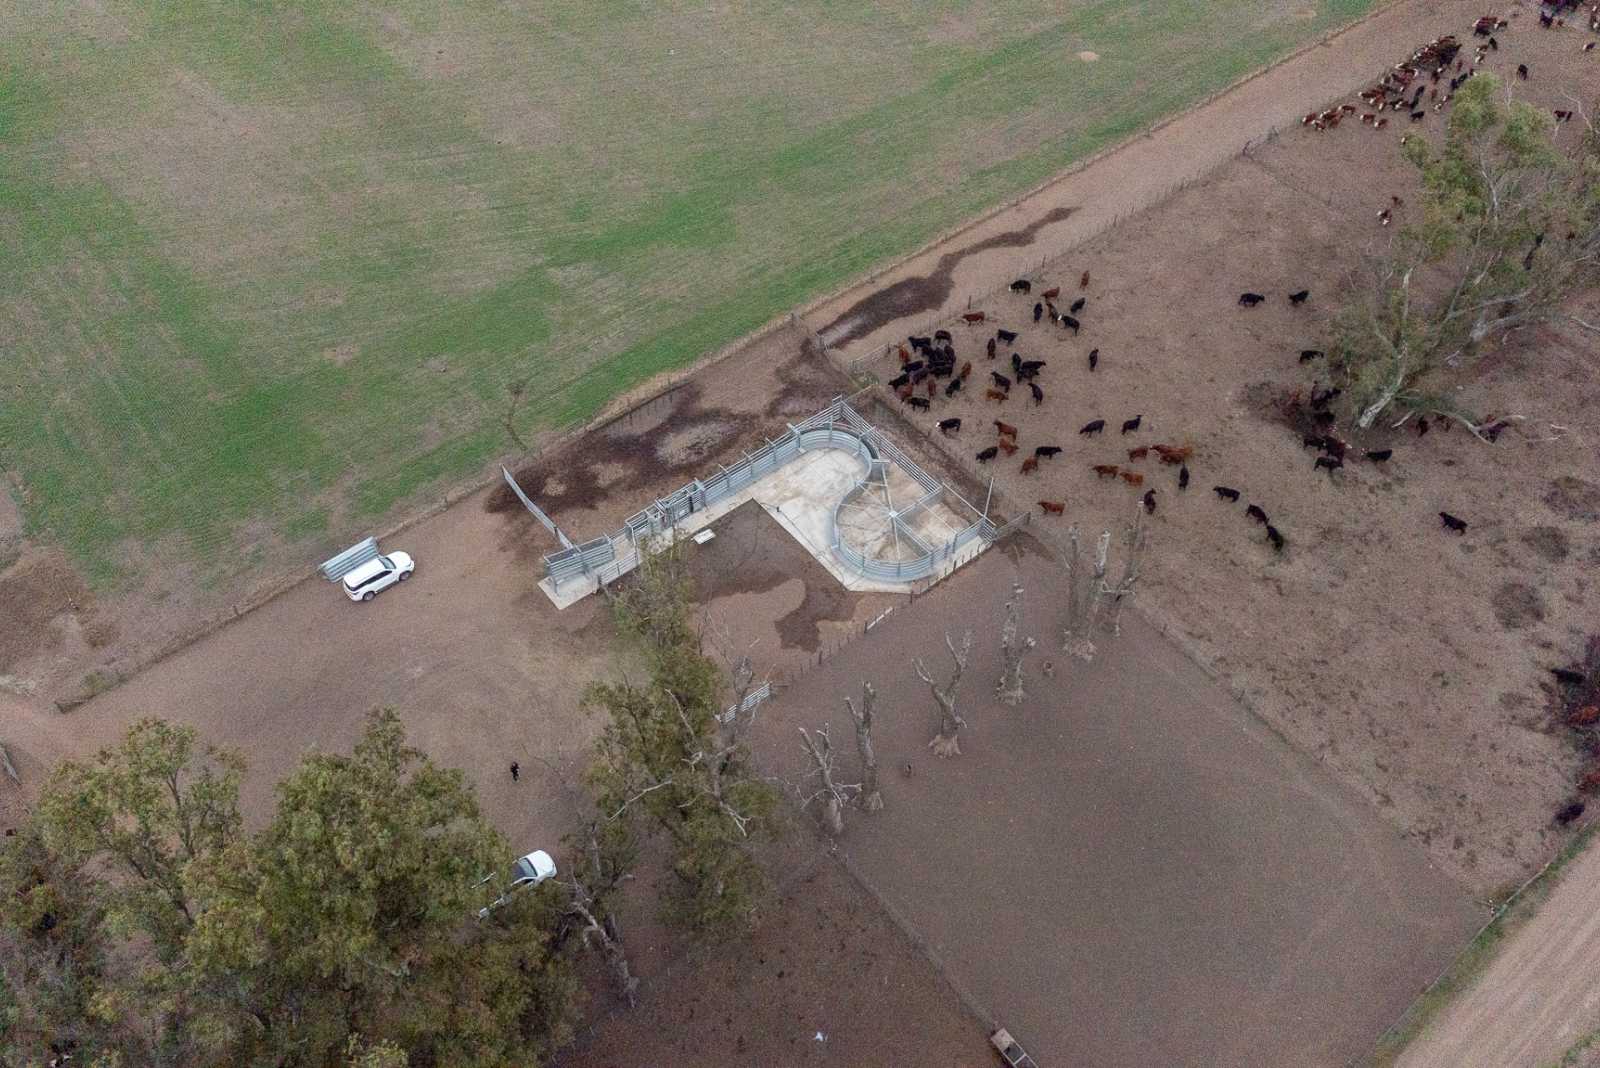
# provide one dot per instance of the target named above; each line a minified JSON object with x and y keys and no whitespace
{"x":663,"y":760}
{"x":1509,"y":226}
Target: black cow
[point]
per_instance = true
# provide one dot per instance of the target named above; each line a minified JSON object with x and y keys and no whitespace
{"x":1522,"y":71}
{"x":985,"y":455}
{"x":1569,"y":677}
{"x":1038,"y":311}
{"x":1008,"y":336}
{"x":953,"y":388}
{"x":1132,"y":424}
{"x":920,"y":403}
{"x":1044,"y":452}
{"x":1094,"y":359}
{"x":1227,"y":493}
{"x":1328,"y":462}
{"x":1077,"y":305}
{"x":1070,"y":323}
{"x":921,"y":344}
{"x":1029,"y":368}
{"x":1573,"y":810}
{"x":1299,"y":298}
{"x":942,"y":335}
{"x":1250,"y":300}
{"x":1093,"y":428}
{"x":990,"y":348}
{"x":899,"y":380}
{"x":1378,"y":456}
{"x":1274,"y":537}
{"x":1307,"y":355}
{"x":1183,"y":476}
{"x":1255,"y":512}
{"x":1149,"y":502}
{"x":1021,"y":285}
{"x":950,"y":426}
{"x":1451,"y":523}
{"x":1001,"y":380}
{"x":1038,"y":394}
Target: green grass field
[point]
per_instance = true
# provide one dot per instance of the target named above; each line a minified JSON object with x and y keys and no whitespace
{"x":270,"y":266}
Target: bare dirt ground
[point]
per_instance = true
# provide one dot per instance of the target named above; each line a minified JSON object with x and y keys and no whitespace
{"x":1129,"y":868}
{"x":1410,"y":661}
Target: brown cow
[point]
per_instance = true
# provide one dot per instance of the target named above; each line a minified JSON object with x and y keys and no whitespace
{"x":1083,"y":283}
{"x":1007,"y":447}
{"x":996,"y":395}
{"x":1053,"y":507}
{"x":1005,"y":429}
{"x":1174,"y":454}
{"x":1052,"y":293}
{"x":1140,"y":453}
{"x":933,"y":384}
{"x":1133,"y":478}
{"x":973,"y":317}
{"x":1106,"y":470}
{"x":966,"y":370}
{"x":1030,"y":465}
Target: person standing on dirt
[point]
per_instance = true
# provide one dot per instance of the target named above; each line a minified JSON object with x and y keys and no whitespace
{"x":516,"y":770}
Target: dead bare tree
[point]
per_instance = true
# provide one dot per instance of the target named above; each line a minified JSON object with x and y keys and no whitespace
{"x":1013,"y":648}
{"x":947,"y":743}
{"x":1115,"y":596}
{"x":1084,"y":582}
{"x":833,"y":795}
{"x":869,"y":798}
{"x":588,"y":886}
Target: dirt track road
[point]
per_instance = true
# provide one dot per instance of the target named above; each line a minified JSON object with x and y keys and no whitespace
{"x":1536,"y":999}
{"x":936,"y":283}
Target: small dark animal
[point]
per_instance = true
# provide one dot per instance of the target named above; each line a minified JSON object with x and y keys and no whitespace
{"x":973,"y":317}
{"x":1378,"y":456}
{"x":1077,"y":305}
{"x":1021,"y":285}
{"x":1094,"y":427}
{"x":966,"y":370}
{"x":1255,"y":512}
{"x":1008,"y":336}
{"x":913,"y":367}
{"x":1038,"y":312}
{"x":1332,"y":446}
{"x":1494,"y":46}
{"x":1328,"y":462}
{"x":1005,"y":430}
{"x":1000,"y":380}
{"x":1045,"y":452}
{"x":1227,"y":493}
{"x":985,"y":455}
{"x":1589,"y":47}
{"x":1324,"y":418}
{"x":1038,"y":394}
{"x":1106,"y":470}
{"x":1493,"y":431}
{"x":1173,"y":454}
{"x":1053,"y":507}
{"x":899,"y":380}
{"x":918,"y":403}
{"x":1070,"y":323}
{"x":1131,"y":424}
{"x":1030,"y":465}
{"x":1016,"y":362}
{"x":1569,"y":677}
{"x":950,"y":426}
{"x":1307,"y":355}
{"x":1149,"y":500}
{"x":996,"y":395}
{"x":990,"y":348}
{"x":1052,"y":293}
{"x":1250,"y":300}
{"x":1422,"y":427}
{"x":1029,"y":368}
{"x":1522,"y":71}
{"x":1300,"y":297}
{"x":1083,"y":283}
{"x":1132,"y":478}
{"x":942,"y":335}
{"x":1183,"y":477}
{"x":1274,"y":537}
{"x":933,"y":384}
{"x":1320,"y":400}
{"x":1569,"y":813}
{"x":921,"y":344}
{"x":1094,"y":359}
{"x":1451,"y":523}
{"x":905,"y":770}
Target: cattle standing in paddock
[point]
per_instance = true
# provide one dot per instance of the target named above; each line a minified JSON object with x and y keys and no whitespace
{"x":966,"y":370}
{"x":1149,"y":501}
{"x":1000,"y":380}
{"x":949,"y":426}
{"x":1183,"y":477}
{"x":1422,"y":427}
{"x":1255,"y":512}
{"x":1106,"y":470}
{"x":1094,"y":359}
{"x":942,"y":335}
{"x":1007,"y":446}
{"x":1589,"y":47}
{"x":1094,"y":427}
{"x":1045,"y":452}
{"x":1522,"y":71}
{"x":1332,"y":446}
{"x":1008,"y":336}
{"x":913,"y":367}
{"x":1307,"y":355}
{"x":1038,"y":312}
{"x":1083,"y":283}
{"x":1452,"y":524}
{"x":903,"y":392}
{"x":1140,"y":453}
{"x":1227,"y":493}
{"x":1077,"y":305}
{"x":1129,"y":425}
{"x":1038,"y":394}
{"x":1569,"y":676}
{"x":1275,"y":538}
{"x":1569,"y":813}
{"x":1052,"y":293}
{"x":1299,"y":298}
{"x":1029,"y":368}
{"x":899,"y":380}
{"x":1173,"y":454}
{"x":1378,"y":456}
{"x":1132,"y":478}
{"x":985,"y":455}
{"x":1030,"y":465}
{"x":933,"y":385}
{"x":954,"y":387}
{"x":1069,"y":323}
{"x":999,"y":395}
{"x":1053,"y":507}
{"x":920,"y":344}
{"x":1021,"y":285}
{"x":1327,"y":463}
{"x":1384,"y":216}
{"x":905,"y":357}
{"x":1250,"y":300}
{"x":973,"y":318}
{"x":990,"y":348}
{"x":918,"y":403}
{"x":1005,"y":430}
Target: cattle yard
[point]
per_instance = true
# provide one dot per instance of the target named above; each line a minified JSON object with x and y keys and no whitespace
{"x":1247,"y":833}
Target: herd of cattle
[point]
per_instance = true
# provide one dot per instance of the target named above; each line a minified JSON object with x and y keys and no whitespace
{"x":930,"y":366}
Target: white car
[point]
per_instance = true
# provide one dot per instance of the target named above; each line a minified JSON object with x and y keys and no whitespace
{"x":531,"y":870}
{"x":378,"y":574}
